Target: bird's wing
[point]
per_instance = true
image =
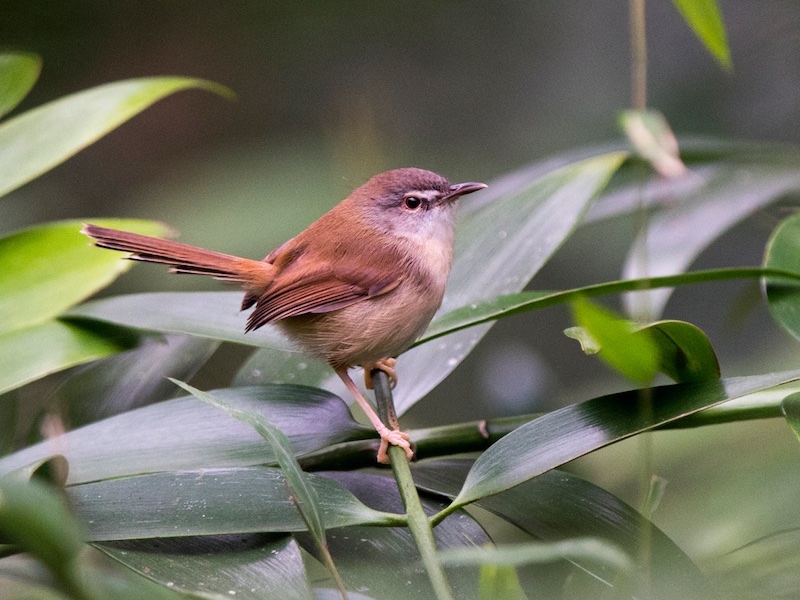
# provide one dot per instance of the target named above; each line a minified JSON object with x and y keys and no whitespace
{"x":328,"y":287}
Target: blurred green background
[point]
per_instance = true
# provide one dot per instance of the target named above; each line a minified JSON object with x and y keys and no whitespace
{"x":329,"y":93}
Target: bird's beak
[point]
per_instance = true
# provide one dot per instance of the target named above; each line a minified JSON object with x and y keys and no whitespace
{"x":459,"y":189}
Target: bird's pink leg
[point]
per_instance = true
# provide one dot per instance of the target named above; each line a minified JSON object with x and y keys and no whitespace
{"x":388,"y":436}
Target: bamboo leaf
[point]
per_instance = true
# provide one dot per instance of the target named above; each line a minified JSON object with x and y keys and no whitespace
{"x":305,"y":496}
{"x":38,"y":140}
{"x":783,"y":297}
{"x":39,"y":350}
{"x":209,"y":502}
{"x":46,"y":269}
{"x":572,"y":431}
{"x":186,"y":433}
{"x":247,"y":567}
{"x":18,"y":74}
{"x":705,"y":19}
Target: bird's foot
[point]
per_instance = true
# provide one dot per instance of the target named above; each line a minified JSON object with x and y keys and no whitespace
{"x":386,"y":365}
{"x":396,"y":438}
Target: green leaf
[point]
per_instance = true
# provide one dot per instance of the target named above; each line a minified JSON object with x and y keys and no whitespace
{"x":209,"y":502}
{"x":684,"y":351}
{"x":558,"y":505}
{"x":303,"y":493}
{"x":632,"y":353}
{"x":572,"y":431}
{"x":38,"y":140}
{"x":783,"y":297}
{"x":514,"y":304}
{"x":790,"y":407}
{"x":705,"y":19}
{"x":39,"y":350}
{"x":212,"y":315}
{"x":499,"y":582}
{"x":247,"y":567}
{"x":18,"y":73}
{"x":185,"y":433}
{"x":35,"y":518}
{"x":48,"y":268}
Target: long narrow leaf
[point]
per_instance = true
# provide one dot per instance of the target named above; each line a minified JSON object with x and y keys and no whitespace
{"x":570,"y":432}
{"x":705,"y":19}
{"x":304,"y":494}
{"x":185,"y":433}
{"x":39,"y":350}
{"x":38,"y":140}
{"x":209,"y":502}
{"x":46,"y":269}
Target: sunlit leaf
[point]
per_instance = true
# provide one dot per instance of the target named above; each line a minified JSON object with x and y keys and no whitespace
{"x":249,"y":567}
{"x":40,"y":139}
{"x":18,"y":73}
{"x":39,"y":350}
{"x":632,"y":353}
{"x":790,"y":406}
{"x":209,"y":502}
{"x":572,"y":431}
{"x":36,"y":519}
{"x":48,"y":268}
{"x":185,"y":433}
{"x":705,"y":19}
{"x":499,"y":582}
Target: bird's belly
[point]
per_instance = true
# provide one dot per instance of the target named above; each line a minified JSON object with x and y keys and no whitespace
{"x":366,"y":331}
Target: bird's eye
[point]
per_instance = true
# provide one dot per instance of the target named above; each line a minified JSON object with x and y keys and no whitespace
{"x":412,"y":202}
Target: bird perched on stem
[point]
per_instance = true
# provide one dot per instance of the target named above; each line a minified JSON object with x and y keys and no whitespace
{"x":357,"y":287}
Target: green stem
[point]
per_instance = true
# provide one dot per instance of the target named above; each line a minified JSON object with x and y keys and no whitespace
{"x":417,"y":519}
{"x":475,"y":436}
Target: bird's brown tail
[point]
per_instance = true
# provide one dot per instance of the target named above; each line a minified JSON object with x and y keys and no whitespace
{"x":183,"y":258}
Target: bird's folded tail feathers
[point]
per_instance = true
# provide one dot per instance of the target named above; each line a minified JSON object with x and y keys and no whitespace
{"x":183,"y":258}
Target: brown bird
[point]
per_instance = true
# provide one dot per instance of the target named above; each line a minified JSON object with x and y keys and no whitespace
{"x":357,"y":287}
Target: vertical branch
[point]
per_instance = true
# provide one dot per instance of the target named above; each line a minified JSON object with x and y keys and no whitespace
{"x":638,"y":55}
{"x":418,"y":521}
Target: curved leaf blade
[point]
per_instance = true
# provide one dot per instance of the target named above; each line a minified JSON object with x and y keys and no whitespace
{"x":209,"y":502}
{"x":185,"y":433}
{"x":558,"y":505}
{"x":705,"y":19}
{"x":33,"y":352}
{"x":252,"y":567}
{"x":48,"y":268}
{"x":38,"y":140}
{"x":783,"y":297}
{"x":18,"y":74}
{"x":572,"y":431}
{"x":304,"y":495}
